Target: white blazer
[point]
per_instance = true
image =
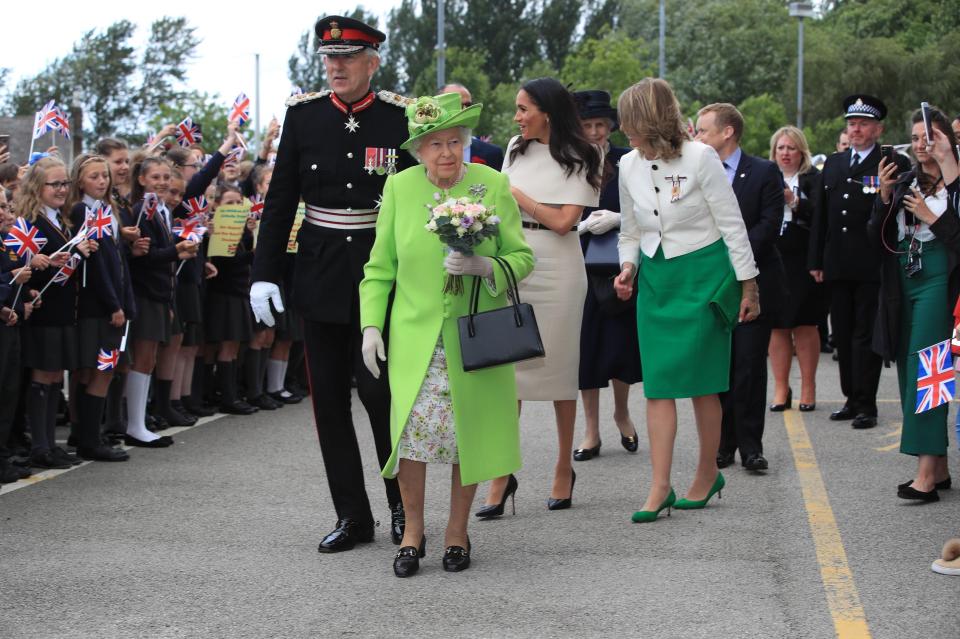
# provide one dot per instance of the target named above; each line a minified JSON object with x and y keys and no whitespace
{"x":683,"y":204}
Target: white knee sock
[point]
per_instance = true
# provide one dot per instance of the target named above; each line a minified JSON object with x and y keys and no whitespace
{"x":275,"y":369}
{"x":138,"y":387}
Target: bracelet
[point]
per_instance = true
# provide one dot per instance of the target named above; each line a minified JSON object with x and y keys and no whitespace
{"x":534,"y":213}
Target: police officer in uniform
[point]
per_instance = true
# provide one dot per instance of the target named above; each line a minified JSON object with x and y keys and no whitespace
{"x":336,"y":150}
{"x":841,"y":255}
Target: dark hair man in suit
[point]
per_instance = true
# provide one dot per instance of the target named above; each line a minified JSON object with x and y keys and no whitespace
{"x":479,"y":151}
{"x":758,"y":185}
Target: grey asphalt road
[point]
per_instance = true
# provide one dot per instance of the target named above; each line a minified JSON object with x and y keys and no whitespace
{"x":216,"y":537}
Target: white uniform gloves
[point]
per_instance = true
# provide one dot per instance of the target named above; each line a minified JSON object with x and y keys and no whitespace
{"x":372,"y":350}
{"x":261,"y":294}
{"x":459,"y":264}
{"x":599,"y":222}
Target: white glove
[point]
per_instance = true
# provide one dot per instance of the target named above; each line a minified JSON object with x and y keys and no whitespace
{"x":599,"y":222}
{"x":261,"y":294}
{"x":372,"y":349}
{"x":457,"y":263}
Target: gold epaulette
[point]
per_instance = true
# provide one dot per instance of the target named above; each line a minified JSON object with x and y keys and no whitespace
{"x":395,"y":99}
{"x":300,"y":98}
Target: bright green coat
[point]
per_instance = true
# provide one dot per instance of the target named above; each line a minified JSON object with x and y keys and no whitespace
{"x":406,"y":254}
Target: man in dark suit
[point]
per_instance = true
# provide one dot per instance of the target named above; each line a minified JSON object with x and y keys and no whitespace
{"x":336,"y":151}
{"x":758,"y":185}
{"x":841,"y":255}
{"x":479,"y":152}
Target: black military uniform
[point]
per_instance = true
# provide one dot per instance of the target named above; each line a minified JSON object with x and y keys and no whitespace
{"x":840,"y":248}
{"x":336,"y":157}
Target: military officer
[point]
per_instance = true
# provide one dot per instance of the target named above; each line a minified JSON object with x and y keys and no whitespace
{"x":840,"y":255}
{"x":336,"y":150}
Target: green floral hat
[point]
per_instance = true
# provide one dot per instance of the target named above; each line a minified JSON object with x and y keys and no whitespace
{"x":428,"y":114}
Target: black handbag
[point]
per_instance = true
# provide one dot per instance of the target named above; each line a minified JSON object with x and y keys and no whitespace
{"x":499,"y":336}
{"x":602,"y":251}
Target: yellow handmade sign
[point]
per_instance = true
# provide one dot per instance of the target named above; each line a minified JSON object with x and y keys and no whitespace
{"x":228,"y":223}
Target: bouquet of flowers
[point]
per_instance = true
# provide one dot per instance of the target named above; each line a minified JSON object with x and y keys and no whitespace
{"x":462,"y":223}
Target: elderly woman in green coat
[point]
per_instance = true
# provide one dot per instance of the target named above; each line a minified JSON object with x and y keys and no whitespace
{"x":439,"y":413}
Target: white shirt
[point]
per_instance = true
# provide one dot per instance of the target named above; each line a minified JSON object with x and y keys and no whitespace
{"x":937,"y":203}
{"x":863,"y":154}
{"x":53,"y":215}
{"x":793,"y":183}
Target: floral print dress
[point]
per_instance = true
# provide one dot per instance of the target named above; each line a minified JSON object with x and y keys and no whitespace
{"x":429,"y":434}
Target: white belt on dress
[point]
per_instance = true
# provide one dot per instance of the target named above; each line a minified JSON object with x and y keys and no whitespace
{"x":343,"y":219}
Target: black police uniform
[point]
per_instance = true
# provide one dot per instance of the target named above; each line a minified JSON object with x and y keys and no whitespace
{"x":322,"y":160}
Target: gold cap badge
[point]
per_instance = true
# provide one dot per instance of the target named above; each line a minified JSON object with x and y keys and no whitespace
{"x":335,"y":31}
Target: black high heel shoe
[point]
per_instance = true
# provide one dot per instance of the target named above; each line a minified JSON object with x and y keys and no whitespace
{"x":779,"y":408}
{"x":563,"y":504}
{"x":457,"y":558}
{"x":584,"y":454}
{"x":630,"y":443}
{"x":407,"y":561}
{"x":495,"y":510}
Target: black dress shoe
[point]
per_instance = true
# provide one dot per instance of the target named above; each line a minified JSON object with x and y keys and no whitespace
{"x":946,"y":484}
{"x":47,"y":460}
{"x":194,"y":408}
{"x":8,"y":474}
{"x":563,"y":504}
{"x":586,"y":454}
{"x":346,"y":535}
{"x":103,"y":453}
{"x":725,"y":459}
{"x":163,"y":442}
{"x":237,"y":407}
{"x":806,"y":408}
{"x":398,"y":520}
{"x":23,"y":470}
{"x":64,"y":456}
{"x":407,"y":561}
{"x":863,"y":420}
{"x":755,"y":462}
{"x":630,"y":443}
{"x":490,"y":511}
{"x":159,"y":422}
{"x":175,"y":418}
{"x":262,"y":402}
{"x":289,"y":398}
{"x":779,"y":408}
{"x":906,"y":492}
{"x":843,"y":414}
{"x":456,"y":558}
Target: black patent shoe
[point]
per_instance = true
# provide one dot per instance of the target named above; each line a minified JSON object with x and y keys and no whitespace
{"x":262,"y":402}
{"x":64,"y":456}
{"x":586,"y":454}
{"x":495,"y":510}
{"x":725,"y":459}
{"x":237,"y":407}
{"x":8,"y":474}
{"x":631,"y":443}
{"x":945,"y":484}
{"x":843,"y":414}
{"x":563,"y":504}
{"x":755,"y":462}
{"x":407,"y":561}
{"x":398,"y":520}
{"x":103,"y":453}
{"x":907,"y":492}
{"x":779,"y":408}
{"x":162,"y":442}
{"x":863,"y":421}
{"x":457,"y":558}
{"x":346,"y":535}
{"x":286,"y":397}
{"x":807,"y":408}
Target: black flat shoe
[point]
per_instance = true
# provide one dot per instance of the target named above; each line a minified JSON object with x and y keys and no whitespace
{"x":64,"y":456}
{"x":457,"y":558}
{"x":194,"y":408}
{"x":262,"y":402}
{"x":630,"y":443}
{"x":495,"y":510}
{"x":48,"y":461}
{"x":407,"y":561}
{"x":755,"y":462}
{"x":237,"y":408}
{"x":913,"y":494}
{"x":163,"y":442}
{"x":946,"y":484}
{"x":806,"y":408}
{"x":779,"y":408}
{"x":103,"y":453}
{"x":843,"y":414}
{"x":398,"y":521}
{"x":290,"y":398}
{"x":586,"y":454}
{"x":725,"y":459}
{"x":863,"y":421}
{"x":346,"y":535}
{"x":563,"y":504}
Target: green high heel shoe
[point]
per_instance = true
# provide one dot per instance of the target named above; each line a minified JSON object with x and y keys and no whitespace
{"x":717,"y":488}
{"x":646,"y":516}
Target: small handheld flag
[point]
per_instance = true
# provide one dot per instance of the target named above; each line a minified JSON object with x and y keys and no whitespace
{"x":188,"y":133}
{"x":240,"y":111}
{"x":256,"y":206}
{"x":24,"y":238}
{"x":234,"y":156}
{"x":196,"y":206}
{"x":151,"y":204}
{"x":99,"y":222}
{"x":935,"y":380}
{"x":66,"y":271}
{"x":189,"y":230}
{"x":107,"y":360}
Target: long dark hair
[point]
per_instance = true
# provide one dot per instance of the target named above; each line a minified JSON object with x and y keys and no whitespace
{"x":568,"y":146}
{"x":938,"y":119}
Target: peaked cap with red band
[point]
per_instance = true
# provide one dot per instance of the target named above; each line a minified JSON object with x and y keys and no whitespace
{"x":338,"y":35}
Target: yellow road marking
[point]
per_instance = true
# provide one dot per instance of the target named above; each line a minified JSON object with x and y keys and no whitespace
{"x":843,"y":600}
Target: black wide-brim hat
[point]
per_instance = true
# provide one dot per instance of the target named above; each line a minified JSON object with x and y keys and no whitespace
{"x":338,"y":35}
{"x":596,"y":104}
{"x":861,"y":105}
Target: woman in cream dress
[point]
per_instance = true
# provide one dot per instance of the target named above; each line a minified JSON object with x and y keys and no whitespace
{"x":554,"y":173}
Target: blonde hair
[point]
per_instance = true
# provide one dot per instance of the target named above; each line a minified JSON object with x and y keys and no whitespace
{"x":81,"y":163}
{"x":725,"y":115}
{"x":797,"y":137}
{"x":649,"y":110}
{"x":27,"y":203}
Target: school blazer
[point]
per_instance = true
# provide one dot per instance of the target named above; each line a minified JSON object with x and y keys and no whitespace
{"x":705,"y":210}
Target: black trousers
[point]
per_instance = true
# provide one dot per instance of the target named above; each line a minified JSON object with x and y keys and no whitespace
{"x":745,"y":404}
{"x":853,"y":311}
{"x":333,"y":357}
{"x":9,"y":380}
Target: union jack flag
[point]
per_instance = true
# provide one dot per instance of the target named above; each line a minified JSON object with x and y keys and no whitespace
{"x":63,"y":275}
{"x":151,"y":204}
{"x":188,"y":133}
{"x":196,"y":206}
{"x":234,"y":156}
{"x":25,"y":239}
{"x":61,"y":121}
{"x":256,"y":206}
{"x":240,"y":112}
{"x":99,"y":222}
{"x":44,"y":120}
{"x":107,"y":360}
{"x":935,"y":382}
{"x":189,"y":229}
